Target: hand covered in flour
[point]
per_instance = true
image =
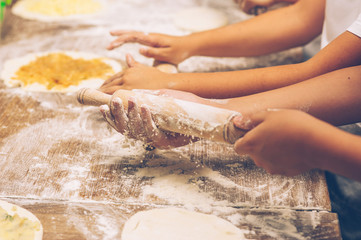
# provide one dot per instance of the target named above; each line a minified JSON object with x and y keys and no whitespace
{"x":165,"y":48}
{"x":136,"y":76}
{"x":286,"y":142}
{"x":136,"y":122}
{"x":250,"y":6}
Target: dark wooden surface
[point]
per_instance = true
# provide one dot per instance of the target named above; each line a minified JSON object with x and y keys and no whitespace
{"x":83,"y":180}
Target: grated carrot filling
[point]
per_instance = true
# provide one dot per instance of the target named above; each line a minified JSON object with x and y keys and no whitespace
{"x":61,"y":70}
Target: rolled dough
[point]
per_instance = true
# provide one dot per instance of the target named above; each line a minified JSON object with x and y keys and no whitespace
{"x":11,"y":66}
{"x":200,"y":19}
{"x":178,"y":224}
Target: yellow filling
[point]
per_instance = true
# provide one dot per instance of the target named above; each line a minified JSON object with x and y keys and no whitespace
{"x":60,"y":71}
{"x":62,"y":7}
{"x":16,"y":228}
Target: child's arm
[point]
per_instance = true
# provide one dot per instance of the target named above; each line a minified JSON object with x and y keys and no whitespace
{"x":333,"y":97}
{"x":344,"y":51}
{"x":270,"y":32}
{"x":290,"y":142}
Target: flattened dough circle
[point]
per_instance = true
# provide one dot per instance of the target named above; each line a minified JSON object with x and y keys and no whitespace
{"x":200,"y":19}
{"x":178,"y":224}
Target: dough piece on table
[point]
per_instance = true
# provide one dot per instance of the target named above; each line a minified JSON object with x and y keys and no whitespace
{"x":57,"y":10}
{"x":51,"y":76}
{"x":200,"y":19}
{"x":167,"y":68}
{"x":178,"y":224}
{"x":18,"y":223}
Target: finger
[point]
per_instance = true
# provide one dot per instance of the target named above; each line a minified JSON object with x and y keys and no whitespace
{"x":119,"y":114}
{"x":250,"y":122}
{"x":124,"y":37}
{"x":238,"y":147}
{"x":114,"y":82}
{"x":111,"y":86}
{"x":138,"y":37}
{"x":153,"y":133}
{"x":104,"y":109}
{"x":130,"y":61}
{"x":247,"y":6}
{"x":116,"y":77}
{"x":157,"y":53}
{"x":160,"y":139}
{"x":120,"y":32}
{"x":110,"y":89}
{"x":135,"y":123}
{"x":250,"y":143}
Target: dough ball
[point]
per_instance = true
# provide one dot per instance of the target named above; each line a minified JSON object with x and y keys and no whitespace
{"x":167,"y":68}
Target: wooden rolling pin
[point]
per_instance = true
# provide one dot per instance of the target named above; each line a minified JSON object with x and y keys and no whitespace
{"x":175,"y":115}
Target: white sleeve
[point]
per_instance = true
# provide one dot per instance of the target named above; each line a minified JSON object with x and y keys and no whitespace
{"x":355,"y":27}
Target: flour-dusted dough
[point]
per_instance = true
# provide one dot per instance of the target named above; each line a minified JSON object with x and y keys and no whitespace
{"x":178,"y":224}
{"x":200,"y":19}
{"x":57,"y":10}
{"x":11,"y":66}
{"x":12,"y":209}
{"x":167,"y":68}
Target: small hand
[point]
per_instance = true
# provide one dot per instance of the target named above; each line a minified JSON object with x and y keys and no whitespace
{"x":137,"y":123}
{"x":286,"y":142}
{"x":137,"y":76}
{"x":161,"y":47}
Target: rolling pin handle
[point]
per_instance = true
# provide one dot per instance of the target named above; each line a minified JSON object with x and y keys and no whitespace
{"x":231,"y":133}
{"x":88,"y":96}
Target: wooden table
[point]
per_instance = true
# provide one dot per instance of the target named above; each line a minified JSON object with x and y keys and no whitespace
{"x":83,"y":180}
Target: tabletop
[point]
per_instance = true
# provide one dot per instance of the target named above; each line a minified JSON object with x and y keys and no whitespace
{"x":83,"y":180}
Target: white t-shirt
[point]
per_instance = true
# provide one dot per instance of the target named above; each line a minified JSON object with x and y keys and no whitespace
{"x":341,"y":15}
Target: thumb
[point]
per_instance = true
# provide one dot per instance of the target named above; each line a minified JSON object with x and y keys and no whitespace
{"x":130,"y":61}
{"x":249,"y":122}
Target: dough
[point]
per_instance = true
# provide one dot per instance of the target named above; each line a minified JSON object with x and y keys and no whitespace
{"x":57,"y":10}
{"x":18,"y":223}
{"x":167,"y":68}
{"x":178,"y":224}
{"x":12,"y":66}
{"x":200,"y":19}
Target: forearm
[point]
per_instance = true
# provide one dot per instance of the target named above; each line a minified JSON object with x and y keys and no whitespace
{"x":334,"y":97}
{"x":339,"y":151}
{"x":237,"y":83}
{"x":270,"y":32}
{"x":343,"y":52}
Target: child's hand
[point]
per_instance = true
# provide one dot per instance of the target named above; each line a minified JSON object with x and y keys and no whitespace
{"x":286,"y":142}
{"x":136,"y":122}
{"x":137,"y":76}
{"x":162,"y":47}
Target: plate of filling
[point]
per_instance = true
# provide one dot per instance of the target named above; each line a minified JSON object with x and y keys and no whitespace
{"x":58,"y":71}
{"x":18,"y":223}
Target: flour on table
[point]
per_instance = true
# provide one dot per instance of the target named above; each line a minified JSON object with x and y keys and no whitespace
{"x":199,"y":19}
{"x":179,"y":224}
